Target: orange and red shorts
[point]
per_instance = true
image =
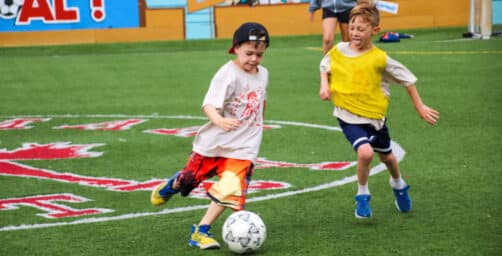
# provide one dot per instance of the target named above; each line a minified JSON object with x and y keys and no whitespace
{"x":234,"y":177}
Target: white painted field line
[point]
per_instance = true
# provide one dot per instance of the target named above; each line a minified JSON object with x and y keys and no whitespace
{"x":397,"y":149}
{"x":152,"y":116}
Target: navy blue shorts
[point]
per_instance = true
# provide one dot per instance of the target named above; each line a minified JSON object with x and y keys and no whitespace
{"x":359,"y":134}
{"x":342,"y":17}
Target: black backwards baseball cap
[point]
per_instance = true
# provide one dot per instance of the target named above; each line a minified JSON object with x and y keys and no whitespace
{"x":250,"y":31}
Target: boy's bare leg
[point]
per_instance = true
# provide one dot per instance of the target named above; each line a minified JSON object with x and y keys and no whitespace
{"x":392,"y":165}
{"x":364,"y":157}
{"x":399,"y":186}
{"x":176,"y":185}
{"x":212,"y":213}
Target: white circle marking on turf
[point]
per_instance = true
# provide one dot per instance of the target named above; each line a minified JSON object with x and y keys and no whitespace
{"x":396,"y":148}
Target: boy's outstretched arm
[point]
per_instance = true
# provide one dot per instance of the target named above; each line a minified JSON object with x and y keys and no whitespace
{"x":325,"y":91}
{"x":227,"y":124}
{"x":430,"y":115}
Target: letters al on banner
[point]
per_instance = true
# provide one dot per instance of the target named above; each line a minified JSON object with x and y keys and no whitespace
{"x":40,"y":15}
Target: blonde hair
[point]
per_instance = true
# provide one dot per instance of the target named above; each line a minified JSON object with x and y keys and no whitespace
{"x":366,"y":9}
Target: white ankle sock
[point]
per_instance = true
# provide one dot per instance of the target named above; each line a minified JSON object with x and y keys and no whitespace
{"x":363,"y":189}
{"x":398,"y":183}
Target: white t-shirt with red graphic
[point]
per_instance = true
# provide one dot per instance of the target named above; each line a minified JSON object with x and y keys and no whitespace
{"x":239,"y":95}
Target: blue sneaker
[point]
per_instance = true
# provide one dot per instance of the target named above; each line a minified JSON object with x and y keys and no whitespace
{"x":363,"y":209}
{"x":163,"y":192}
{"x":403,"y":201}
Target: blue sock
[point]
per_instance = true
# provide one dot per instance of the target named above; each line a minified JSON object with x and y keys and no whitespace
{"x":168,"y":190}
{"x":204,"y":229}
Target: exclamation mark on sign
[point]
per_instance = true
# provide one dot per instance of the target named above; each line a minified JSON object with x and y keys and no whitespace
{"x":98,"y":10}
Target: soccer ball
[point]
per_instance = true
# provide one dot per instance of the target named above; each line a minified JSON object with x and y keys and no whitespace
{"x":10,"y":8}
{"x":244,"y":232}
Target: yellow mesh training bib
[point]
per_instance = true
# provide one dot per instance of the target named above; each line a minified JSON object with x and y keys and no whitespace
{"x":356,"y":83}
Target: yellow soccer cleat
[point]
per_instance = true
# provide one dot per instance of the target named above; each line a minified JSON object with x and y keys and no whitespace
{"x":155,"y":197}
{"x":202,"y":238}
{"x":163,"y":192}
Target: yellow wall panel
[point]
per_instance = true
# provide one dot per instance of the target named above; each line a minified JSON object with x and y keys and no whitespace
{"x":136,"y":35}
{"x":165,"y":18}
{"x":291,"y":19}
{"x":407,"y":22}
{"x":46,"y":38}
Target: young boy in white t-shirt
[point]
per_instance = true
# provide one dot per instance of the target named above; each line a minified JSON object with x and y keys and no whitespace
{"x":227,"y":146}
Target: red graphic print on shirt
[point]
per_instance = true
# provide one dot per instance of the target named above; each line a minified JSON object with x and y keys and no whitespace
{"x":247,"y":106}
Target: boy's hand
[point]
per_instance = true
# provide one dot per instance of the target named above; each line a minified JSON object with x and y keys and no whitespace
{"x":325,"y":93}
{"x":227,"y":124}
{"x":430,"y":115}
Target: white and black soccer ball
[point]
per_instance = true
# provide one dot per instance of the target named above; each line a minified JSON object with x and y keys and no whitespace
{"x":244,"y":232}
{"x":10,"y":8}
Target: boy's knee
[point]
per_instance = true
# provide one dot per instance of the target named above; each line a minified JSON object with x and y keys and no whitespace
{"x":184,"y":191}
{"x":365,"y":152}
{"x":387,"y":158}
{"x":185,"y":183}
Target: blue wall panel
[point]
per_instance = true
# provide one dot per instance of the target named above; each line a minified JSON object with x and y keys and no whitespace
{"x":497,"y":11}
{"x":165,"y":3}
{"x":117,"y":14}
{"x":199,"y":24}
